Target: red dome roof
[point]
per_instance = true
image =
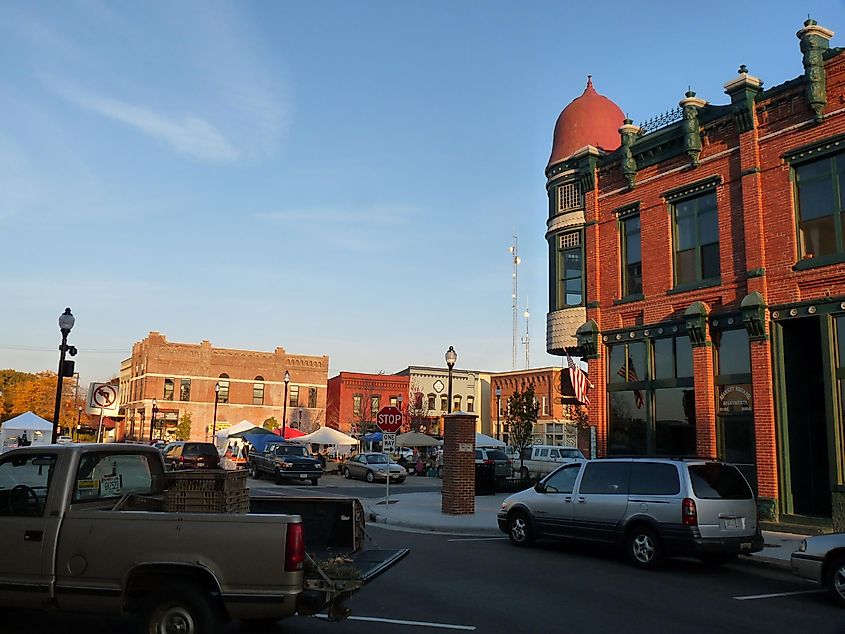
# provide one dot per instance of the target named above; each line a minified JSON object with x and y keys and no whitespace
{"x":591,"y":119}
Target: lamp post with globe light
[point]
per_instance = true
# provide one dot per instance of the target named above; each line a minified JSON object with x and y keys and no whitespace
{"x":66,"y":322}
{"x":451,"y":358}
{"x":153,"y":418}
{"x":214,"y":420}
{"x":285,"y":406}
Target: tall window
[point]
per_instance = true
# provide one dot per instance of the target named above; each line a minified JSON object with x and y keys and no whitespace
{"x":223,"y":395}
{"x":294,"y":396}
{"x":168,"y":389}
{"x":185,"y":390}
{"x":374,"y":405}
{"x":444,"y":403}
{"x":632,"y":258}
{"x":356,"y":404}
{"x":696,"y":233}
{"x":312,"y":397}
{"x":819,"y":193}
{"x":470,"y":403}
{"x":258,"y":391}
{"x":394,"y":401}
{"x":456,"y":406}
{"x":570,"y":270}
{"x":432,"y":402}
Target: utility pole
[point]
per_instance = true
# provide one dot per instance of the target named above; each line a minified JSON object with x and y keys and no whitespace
{"x":513,"y":250}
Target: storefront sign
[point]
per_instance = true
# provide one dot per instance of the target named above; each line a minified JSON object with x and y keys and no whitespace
{"x":735,"y":399}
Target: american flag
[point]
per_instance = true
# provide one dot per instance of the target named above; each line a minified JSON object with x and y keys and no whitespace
{"x":579,"y":380}
{"x":631,"y":375}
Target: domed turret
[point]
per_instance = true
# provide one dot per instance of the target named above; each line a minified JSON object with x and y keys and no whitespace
{"x":591,"y":119}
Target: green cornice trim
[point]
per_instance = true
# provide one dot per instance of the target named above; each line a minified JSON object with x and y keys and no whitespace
{"x":627,"y":210}
{"x":811,"y":151}
{"x":692,"y":189}
{"x":590,"y":223}
{"x":822,"y":305}
{"x":761,"y":272}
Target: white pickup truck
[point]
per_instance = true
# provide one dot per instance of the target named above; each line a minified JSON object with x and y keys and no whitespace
{"x":83,"y":529}
{"x":540,"y":460}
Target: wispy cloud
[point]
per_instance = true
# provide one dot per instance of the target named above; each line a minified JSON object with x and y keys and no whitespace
{"x":188,"y":134}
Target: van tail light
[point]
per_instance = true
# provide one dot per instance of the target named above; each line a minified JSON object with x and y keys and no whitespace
{"x":488,"y":461}
{"x":689,"y":514}
{"x":294,"y":548}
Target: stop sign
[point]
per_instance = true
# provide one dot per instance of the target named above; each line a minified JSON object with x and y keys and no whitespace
{"x":389,"y":419}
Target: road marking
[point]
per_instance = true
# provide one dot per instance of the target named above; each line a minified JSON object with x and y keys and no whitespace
{"x":774,"y":595}
{"x":477,"y":539}
{"x":375,"y":619}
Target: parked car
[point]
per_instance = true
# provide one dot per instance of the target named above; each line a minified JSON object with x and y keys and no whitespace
{"x":372,"y":467}
{"x":159,"y":444}
{"x":285,"y":461}
{"x":64,"y":440}
{"x":821,"y":560}
{"x":496,"y":457}
{"x":651,"y":507}
{"x":192,"y":455}
{"x":176,"y":571}
{"x":540,"y":460}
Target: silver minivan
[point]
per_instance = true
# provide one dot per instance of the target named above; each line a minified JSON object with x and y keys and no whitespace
{"x":652,"y":507}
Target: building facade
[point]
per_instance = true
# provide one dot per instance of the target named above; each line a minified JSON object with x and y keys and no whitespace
{"x":354,"y":399}
{"x":182,"y":377}
{"x":429,"y":399}
{"x":706,"y":252}
{"x":557,"y":421}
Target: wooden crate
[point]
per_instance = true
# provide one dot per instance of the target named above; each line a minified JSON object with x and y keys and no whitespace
{"x":206,"y":480}
{"x":202,"y":501}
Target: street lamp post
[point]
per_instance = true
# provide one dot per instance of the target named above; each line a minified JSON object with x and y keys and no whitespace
{"x":400,"y":399}
{"x":451,"y":357}
{"x":498,"y":410}
{"x":153,"y":418}
{"x":66,"y":321}
{"x":214,"y":421}
{"x":78,"y":422}
{"x":285,"y":406}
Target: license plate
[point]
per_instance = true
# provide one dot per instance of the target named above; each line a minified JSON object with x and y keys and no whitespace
{"x":303,"y":475}
{"x":745,"y":545}
{"x":731,"y":522}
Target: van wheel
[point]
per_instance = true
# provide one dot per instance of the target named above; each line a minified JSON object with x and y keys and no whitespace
{"x":834,"y":580}
{"x":179,"y":608}
{"x":643,"y":547}
{"x":370,"y":477}
{"x":519,"y":529}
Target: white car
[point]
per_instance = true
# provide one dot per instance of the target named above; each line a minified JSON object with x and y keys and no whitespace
{"x":821,"y":560}
{"x":64,"y":440}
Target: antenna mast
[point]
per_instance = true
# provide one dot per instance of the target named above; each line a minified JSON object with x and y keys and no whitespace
{"x":526,"y":339}
{"x":514,"y":302}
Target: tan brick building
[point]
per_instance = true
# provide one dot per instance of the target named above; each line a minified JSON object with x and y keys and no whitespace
{"x":182,"y":378}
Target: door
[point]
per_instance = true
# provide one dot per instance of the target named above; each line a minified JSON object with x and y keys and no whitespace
{"x":552,"y":508}
{"x":27,"y":531}
{"x":737,"y":446}
{"x":601,"y":500}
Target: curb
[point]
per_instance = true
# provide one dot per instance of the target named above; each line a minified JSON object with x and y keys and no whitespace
{"x":762,"y":561}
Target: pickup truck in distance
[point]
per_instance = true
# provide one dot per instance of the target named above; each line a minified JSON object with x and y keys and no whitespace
{"x":83,"y":529}
{"x":285,"y":461}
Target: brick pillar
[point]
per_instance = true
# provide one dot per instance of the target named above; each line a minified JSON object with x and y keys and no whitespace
{"x":458,"y":464}
{"x":598,"y":399}
{"x":764,"y":428}
{"x":705,"y":400}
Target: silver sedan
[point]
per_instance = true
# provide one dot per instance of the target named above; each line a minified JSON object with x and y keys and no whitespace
{"x":372,"y":467}
{"x":821,"y":560}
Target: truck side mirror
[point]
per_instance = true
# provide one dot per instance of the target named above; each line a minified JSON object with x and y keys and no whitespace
{"x":540,"y":487}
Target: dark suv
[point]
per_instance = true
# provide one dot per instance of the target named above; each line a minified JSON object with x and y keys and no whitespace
{"x":191,"y":455}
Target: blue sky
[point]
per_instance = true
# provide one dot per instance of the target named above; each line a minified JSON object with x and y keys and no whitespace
{"x":331,"y":177}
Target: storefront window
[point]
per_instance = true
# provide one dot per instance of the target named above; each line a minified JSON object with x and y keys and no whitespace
{"x":674,"y":421}
{"x":672,"y":358}
{"x":627,"y":424}
{"x":734,"y":354}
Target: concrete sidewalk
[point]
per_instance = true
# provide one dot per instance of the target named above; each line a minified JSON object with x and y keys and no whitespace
{"x":420,"y":512}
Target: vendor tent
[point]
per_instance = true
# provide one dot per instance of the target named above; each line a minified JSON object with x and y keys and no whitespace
{"x":221,"y":438}
{"x":416,"y":439}
{"x":326,"y":436}
{"x":38,"y":431}
{"x":260,"y":441}
{"x":290,"y":432}
{"x":483,"y":440}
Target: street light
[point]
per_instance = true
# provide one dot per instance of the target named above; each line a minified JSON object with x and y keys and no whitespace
{"x":451,"y":357}
{"x":498,"y":409}
{"x":78,"y":421}
{"x":153,"y":418}
{"x":400,"y":399}
{"x":66,"y":321}
{"x":285,"y":406}
{"x":214,"y":421}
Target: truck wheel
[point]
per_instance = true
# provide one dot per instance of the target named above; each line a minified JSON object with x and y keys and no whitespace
{"x":346,"y":473}
{"x":834,"y":580}
{"x":254,"y":472}
{"x":370,"y":477}
{"x":179,"y":608}
{"x":278,"y":476}
{"x":314,"y":481}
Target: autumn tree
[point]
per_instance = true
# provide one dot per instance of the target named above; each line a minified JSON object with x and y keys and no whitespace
{"x":183,"y":427}
{"x":271,"y":423}
{"x":417,"y":407}
{"x":521,"y":415}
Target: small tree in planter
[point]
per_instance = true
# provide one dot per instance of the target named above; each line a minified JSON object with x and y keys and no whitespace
{"x":183,"y":428}
{"x":521,"y":415}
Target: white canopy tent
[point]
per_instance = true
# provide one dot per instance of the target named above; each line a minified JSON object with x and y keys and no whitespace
{"x":325,"y":436}
{"x":38,"y":431}
{"x":416,"y":439}
{"x":221,"y":438}
{"x":483,"y":440}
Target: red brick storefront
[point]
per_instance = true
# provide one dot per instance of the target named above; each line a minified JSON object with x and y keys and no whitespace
{"x":714,"y":281}
{"x":354,"y":399}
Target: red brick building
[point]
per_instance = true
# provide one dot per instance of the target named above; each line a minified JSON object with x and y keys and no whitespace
{"x":702,"y":257}
{"x":181,"y":377}
{"x":354,"y":399}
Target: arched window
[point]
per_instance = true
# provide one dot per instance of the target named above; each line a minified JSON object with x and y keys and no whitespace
{"x":258,"y":391}
{"x":223,"y":394}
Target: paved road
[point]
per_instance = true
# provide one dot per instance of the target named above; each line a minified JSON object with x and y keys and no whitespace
{"x":460,"y":584}
{"x":337,"y":485}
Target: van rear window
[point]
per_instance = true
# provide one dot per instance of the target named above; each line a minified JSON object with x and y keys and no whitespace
{"x":199,"y":449}
{"x":716,"y":481}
